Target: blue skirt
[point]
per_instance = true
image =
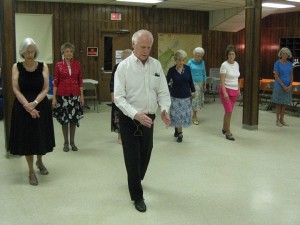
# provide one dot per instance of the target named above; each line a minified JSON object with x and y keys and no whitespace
{"x":181,"y":112}
{"x":279,"y":96}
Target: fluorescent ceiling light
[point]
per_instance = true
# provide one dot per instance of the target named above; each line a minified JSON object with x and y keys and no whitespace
{"x":142,"y":1}
{"x":276,"y":5}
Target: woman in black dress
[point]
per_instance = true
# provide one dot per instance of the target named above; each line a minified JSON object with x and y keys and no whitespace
{"x":115,"y":111}
{"x":31,"y":131}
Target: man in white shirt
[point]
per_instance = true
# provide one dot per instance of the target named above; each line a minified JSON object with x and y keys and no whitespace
{"x":140,"y":86}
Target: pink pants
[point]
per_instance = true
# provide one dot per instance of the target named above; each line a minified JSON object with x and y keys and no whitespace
{"x":228,"y":104}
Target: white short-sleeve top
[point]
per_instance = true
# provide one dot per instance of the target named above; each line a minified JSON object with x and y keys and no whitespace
{"x":232,"y":74}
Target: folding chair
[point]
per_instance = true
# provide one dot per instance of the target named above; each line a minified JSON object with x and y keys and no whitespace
{"x":211,"y":88}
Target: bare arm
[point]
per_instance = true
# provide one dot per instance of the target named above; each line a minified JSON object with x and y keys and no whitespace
{"x":222,"y":82}
{"x":45,"y":89}
{"x":15,"y":85}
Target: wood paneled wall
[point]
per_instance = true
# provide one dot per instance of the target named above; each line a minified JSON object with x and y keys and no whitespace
{"x":275,"y":27}
{"x":81,"y":24}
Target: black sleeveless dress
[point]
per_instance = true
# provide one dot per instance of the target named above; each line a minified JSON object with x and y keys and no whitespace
{"x":30,"y":136}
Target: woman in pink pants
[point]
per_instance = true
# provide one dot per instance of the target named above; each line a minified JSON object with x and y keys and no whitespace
{"x":229,"y":88}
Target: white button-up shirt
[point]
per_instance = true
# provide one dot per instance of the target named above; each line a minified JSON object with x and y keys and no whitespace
{"x":140,"y":87}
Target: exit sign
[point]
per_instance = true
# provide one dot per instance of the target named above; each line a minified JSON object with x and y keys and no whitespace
{"x":116,"y":16}
{"x":92,"y":51}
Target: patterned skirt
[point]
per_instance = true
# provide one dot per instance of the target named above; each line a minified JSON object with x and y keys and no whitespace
{"x":68,"y":110}
{"x":279,"y":96}
{"x":198,"y":101}
{"x":181,"y":112}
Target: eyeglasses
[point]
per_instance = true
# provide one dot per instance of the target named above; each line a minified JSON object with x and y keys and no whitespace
{"x":137,"y":132}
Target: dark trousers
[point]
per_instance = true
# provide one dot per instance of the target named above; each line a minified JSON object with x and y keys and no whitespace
{"x":137,"y":142}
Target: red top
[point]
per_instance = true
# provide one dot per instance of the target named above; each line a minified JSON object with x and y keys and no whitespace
{"x":65,"y":83}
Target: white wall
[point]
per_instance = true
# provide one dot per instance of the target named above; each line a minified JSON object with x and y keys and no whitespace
{"x":39,"y":28}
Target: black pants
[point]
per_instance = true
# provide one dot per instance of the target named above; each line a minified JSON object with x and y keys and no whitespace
{"x":137,"y":142}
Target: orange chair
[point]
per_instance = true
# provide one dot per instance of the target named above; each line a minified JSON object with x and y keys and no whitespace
{"x":266,"y":94}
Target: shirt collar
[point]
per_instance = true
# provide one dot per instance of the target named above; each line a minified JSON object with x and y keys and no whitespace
{"x":137,"y":60}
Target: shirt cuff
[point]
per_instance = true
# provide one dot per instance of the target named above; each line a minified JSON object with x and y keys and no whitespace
{"x":164,"y":108}
{"x":132,"y":113}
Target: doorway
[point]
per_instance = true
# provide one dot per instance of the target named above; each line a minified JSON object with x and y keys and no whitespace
{"x":111,"y":43}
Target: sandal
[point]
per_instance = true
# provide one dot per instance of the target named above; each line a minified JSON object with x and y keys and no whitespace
{"x":42,"y":168}
{"x":284,"y":123}
{"x":229,"y":136}
{"x":196,"y":122}
{"x":33,"y":179}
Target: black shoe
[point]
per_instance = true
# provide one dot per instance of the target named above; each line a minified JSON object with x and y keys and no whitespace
{"x":66,"y":148}
{"x":176,"y":133}
{"x":74,"y":148}
{"x":229,"y":136}
{"x":223,"y":131}
{"x":140,"y":205}
{"x":180,"y":136}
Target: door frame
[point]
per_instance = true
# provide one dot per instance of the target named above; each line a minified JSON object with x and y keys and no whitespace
{"x":105,"y":75}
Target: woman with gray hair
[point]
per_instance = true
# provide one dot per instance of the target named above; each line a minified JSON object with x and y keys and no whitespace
{"x":182,"y":89}
{"x":198,"y":70}
{"x":282,"y":92}
{"x":68,"y":98}
{"x":32,"y":131}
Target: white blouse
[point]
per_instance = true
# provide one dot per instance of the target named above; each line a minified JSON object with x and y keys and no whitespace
{"x":232,"y":74}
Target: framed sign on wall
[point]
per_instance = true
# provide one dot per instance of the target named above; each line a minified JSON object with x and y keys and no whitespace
{"x":92,"y":51}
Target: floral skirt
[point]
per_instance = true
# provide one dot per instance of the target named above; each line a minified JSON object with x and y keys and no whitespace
{"x":68,"y":110}
{"x":115,"y":112}
{"x":198,"y":101}
{"x":181,"y":112}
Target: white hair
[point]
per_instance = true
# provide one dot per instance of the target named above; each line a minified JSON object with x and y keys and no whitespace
{"x":285,"y":50}
{"x":180,"y":54}
{"x":139,"y":33}
{"x":198,"y":50}
{"x":25,"y":44}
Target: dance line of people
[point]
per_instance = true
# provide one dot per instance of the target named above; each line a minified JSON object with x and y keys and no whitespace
{"x":138,"y":87}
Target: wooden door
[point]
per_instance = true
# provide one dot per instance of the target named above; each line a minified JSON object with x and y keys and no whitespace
{"x":110,"y":44}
